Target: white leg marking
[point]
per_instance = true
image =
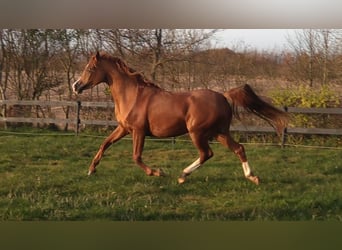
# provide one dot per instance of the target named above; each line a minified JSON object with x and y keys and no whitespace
{"x":196,"y":164}
{"x":246,"y":169}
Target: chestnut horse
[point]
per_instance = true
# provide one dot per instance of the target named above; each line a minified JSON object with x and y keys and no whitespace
{"x":144,"y":109}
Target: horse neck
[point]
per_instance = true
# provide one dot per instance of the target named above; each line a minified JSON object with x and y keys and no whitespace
{"x":124,"y":91}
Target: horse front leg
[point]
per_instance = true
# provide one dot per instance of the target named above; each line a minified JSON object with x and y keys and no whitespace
{"x":116,"y":135}
{"x":138,"y":146}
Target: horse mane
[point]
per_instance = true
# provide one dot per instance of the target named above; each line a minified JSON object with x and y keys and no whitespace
{"x":124,"y":68}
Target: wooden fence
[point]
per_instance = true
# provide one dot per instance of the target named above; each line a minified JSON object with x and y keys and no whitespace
{"x":292,"y":130}
{"x":76,"y":119}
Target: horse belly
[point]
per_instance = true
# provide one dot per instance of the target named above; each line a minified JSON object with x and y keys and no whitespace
{"x":167,"y":125}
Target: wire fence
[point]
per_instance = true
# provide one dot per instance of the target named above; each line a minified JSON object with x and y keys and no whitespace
{"x":167,"y":140}
{"x":76,"y":114}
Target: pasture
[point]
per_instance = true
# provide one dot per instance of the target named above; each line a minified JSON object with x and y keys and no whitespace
{"x":44,"y":177}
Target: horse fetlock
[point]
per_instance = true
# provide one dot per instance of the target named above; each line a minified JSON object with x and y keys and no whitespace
{"x":159,"y":172}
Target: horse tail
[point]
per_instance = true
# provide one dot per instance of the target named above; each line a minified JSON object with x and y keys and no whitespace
{"x":245,"y":97}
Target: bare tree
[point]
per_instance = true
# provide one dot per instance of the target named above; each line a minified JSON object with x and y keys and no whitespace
{"x":305,"y":45}
{"x":3,"y":79}
{"x":30,"y":62}
{"x":68,"y":46}
{"x":317,"y":53}
{"x":3,"y":74}
{"x":325,"y":34}
{"x":153,"y":49}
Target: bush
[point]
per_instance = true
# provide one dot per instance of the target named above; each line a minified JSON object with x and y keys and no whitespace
{"x":307,"y":97}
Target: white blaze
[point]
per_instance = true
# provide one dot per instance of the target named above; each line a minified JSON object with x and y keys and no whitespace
{"x":74,"y":86}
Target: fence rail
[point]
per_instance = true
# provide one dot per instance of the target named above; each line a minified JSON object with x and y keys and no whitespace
{"x":77,"y":121}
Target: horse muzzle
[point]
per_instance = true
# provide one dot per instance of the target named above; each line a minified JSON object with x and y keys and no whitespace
{"x":77,"y":87}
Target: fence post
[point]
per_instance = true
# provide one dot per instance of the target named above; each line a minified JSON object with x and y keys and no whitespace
{"x":284,"y":134}
{"x":78,"y":120}
{"x":4,"y":109}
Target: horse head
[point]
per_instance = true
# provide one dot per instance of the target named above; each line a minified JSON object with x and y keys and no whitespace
{"x":92,"y":75}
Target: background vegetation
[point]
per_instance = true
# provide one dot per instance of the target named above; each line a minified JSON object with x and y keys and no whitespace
{"x":42,"y":64}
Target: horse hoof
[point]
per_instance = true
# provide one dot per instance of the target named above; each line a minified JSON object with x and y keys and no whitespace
{"x":161,"y":173}
{"x":254,"y":179}
{"x":90,"y":172}
{"x":181,"y":180}
{"x":158,"y":172}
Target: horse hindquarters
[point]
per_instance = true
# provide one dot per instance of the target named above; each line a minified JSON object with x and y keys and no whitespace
{"x":207,"y":116}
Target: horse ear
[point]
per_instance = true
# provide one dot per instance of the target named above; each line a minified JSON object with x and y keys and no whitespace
{"x":97,"y":56}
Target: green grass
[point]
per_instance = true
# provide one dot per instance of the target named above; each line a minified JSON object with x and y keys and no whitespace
{"x":45,"y":178}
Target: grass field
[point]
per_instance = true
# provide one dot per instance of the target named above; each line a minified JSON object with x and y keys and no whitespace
{"x":44,"y":178}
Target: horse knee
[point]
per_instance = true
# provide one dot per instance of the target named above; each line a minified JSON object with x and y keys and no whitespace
{"x":240,"y":152}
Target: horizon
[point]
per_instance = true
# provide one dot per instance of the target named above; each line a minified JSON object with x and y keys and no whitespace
{"x":259,"y":39}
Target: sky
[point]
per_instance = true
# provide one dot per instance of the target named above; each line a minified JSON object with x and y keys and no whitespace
{"x":260,"y":39}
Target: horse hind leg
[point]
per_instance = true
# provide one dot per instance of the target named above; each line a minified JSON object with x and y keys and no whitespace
{"x":188,"y":170}
{"x":239,"y":150}
{"x":205,"y":153}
